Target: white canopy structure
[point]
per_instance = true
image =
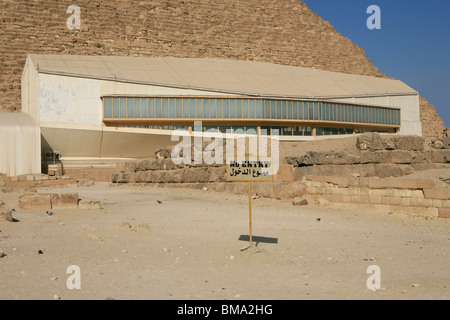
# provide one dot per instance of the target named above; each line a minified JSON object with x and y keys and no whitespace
{"x":20,"y":144}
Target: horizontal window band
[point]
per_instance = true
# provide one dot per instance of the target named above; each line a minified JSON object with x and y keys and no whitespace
{"x":245,"y":109}
{"x":254,"y":122}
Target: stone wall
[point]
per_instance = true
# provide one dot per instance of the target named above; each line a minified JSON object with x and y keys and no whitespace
{"x":409,"y":196}
{"x":373,"y":148}
{"x":377,"y":176}
{"x":29,"y":182}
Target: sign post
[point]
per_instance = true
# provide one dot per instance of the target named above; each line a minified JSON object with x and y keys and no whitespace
{"x":250,"y":169}
{"x":250,"y":210}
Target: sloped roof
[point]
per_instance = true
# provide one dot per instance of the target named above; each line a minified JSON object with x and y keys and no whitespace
{"x":223,"y":76}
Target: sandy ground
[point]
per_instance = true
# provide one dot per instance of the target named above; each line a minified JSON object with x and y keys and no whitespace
{"x":192,"y":250}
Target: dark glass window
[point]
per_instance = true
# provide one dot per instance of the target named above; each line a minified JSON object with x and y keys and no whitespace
{"x":107,"y":107}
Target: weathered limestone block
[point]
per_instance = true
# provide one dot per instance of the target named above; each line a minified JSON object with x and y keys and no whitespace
{"x":124,"y":177}
{"x":367,"y":157}
{"x":202,"y":174}
{"x":439,"y":194}
{"x":285,"y":173}
{"x":401,"y":156}
{"x":299,"y":201}
{"x":407,"y":143}
{"x":438,"y":156}
{"x":194,"y":174}
{"x":35,"y":201}
{"x":387,"y":170}
{"x":144,"y":165}
{"x":444,"y":213}
{"x":64,"y":200}
{"x":89,"y":204}
{"x":141,"y":176}
{"x":369,"y":141}
{"x":217,"y":174}
{"x":130,"y":166}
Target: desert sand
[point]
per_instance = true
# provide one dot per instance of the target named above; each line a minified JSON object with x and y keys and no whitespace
{"x":188,"y":247}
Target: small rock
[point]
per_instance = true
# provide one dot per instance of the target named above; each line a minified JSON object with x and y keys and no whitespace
{"x":369,"y":259}
{"x":40,"y":252}
{"x":141,"y":227}
{"x":205,"y":189}
{"x":415,"y":285}
{"x":123,"y":225}
{"x":2,"y":254}
{"x":84,"y":183}
{"x":6,"y":216}
{"x":299,"y":201}
{"x":54,"y":278}
{"x":56,"y":297}
{"x":318,"y":219}
{"x":159,"y":201}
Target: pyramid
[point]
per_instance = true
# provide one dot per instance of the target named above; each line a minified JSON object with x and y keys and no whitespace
{"x":283,"y":32}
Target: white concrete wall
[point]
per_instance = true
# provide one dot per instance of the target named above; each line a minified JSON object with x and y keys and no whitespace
{"x":88,"y":143}
{"x":71,"y":113}
{"x":70,"y":100}
{"x":29,"y":90}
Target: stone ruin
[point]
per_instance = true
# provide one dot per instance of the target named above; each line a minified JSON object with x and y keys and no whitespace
{"x":379,"y":173}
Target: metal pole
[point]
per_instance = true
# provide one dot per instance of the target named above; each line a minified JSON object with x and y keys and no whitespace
{"x":250,"y":209}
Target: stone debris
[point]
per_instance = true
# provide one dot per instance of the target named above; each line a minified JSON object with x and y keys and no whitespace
{"x":89,"y":204}
{"x":35,"y":201}
{"x":47,"y":201}
{"x":6,"y":215}
{"x":299,"y":201}
{"x":85,"y":183}
{"x":128,"y":226}
{"x":123,"y":225}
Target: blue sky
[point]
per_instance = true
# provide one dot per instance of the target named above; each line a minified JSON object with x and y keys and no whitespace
{"x":413,"y":44}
